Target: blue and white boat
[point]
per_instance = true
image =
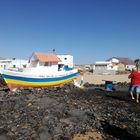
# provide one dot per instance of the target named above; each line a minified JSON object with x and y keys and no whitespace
{"x":43,"y":71}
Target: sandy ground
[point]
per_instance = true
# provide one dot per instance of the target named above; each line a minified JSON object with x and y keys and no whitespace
{"x":99,"y":79}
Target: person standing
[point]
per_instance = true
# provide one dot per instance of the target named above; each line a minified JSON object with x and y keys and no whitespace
{"x":82,"y":79}
{"x":135,"y":84}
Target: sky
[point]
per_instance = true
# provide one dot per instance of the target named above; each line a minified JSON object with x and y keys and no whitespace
{"x":90,"y":30}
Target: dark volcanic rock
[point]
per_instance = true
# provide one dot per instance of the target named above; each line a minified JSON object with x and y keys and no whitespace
{"x":58,"y":113}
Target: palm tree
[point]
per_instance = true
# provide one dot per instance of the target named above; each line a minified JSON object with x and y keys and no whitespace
{"x":137,"y":63}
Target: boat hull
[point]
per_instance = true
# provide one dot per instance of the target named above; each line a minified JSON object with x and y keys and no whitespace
{"x":16,"y":80}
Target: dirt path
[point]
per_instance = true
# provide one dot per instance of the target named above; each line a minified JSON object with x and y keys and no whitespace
{"x":98,"y":79}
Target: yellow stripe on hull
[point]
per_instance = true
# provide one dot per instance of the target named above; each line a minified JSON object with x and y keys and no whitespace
{"x":37,"y":84}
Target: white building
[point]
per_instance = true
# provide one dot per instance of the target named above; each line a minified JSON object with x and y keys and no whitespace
{"x":4,"y":64}
{"x":109,"y":65}
{"x":43,"y":63}
{"x":129,"y":67}
{"x":105,"y":67}
{"x":13,"y":64}
{"x":128,"y":64}
{"x":114,"y":60}
{"x":19,"y":63}
{"x":66,"y":61}
{"x":112,"y":65}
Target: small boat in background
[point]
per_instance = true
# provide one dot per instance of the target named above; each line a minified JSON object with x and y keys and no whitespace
{"x":43,"y":71}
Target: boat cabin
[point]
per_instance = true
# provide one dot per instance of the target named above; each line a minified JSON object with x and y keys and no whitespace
{"x":43,"y":62}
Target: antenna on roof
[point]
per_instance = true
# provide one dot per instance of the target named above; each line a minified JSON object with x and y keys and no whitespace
{"x":53,"y":50}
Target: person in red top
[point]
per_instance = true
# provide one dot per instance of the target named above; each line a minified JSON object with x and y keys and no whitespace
{"x":135,"y":84}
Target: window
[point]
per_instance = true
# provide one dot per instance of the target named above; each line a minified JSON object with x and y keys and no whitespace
{"x":46,"y":64}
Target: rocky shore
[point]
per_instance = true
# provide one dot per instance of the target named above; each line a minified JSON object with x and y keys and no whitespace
{"x":68,"y":113}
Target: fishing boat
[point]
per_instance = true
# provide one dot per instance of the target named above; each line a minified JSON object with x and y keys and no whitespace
{"x":43,"y":71}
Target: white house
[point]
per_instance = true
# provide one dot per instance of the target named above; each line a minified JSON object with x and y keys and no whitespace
{"x":39,"y":60}
{"x":112,"y":65}
{"x":66,"y":61}
{"x":13,"y":64}
{"x":19,"y":63}
{"x":4,"y":64}
{"x":114,"y":60}
{"x":129,"y":67}
{"x":109,"y":64}
{"x":128,"y":64}
{"x":105,"y":67}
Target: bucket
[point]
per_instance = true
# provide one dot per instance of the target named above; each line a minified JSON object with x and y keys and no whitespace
{"x":108,"y":85}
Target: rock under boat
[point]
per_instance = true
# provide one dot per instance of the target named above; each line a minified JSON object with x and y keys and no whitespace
{"x":43,"y":71}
